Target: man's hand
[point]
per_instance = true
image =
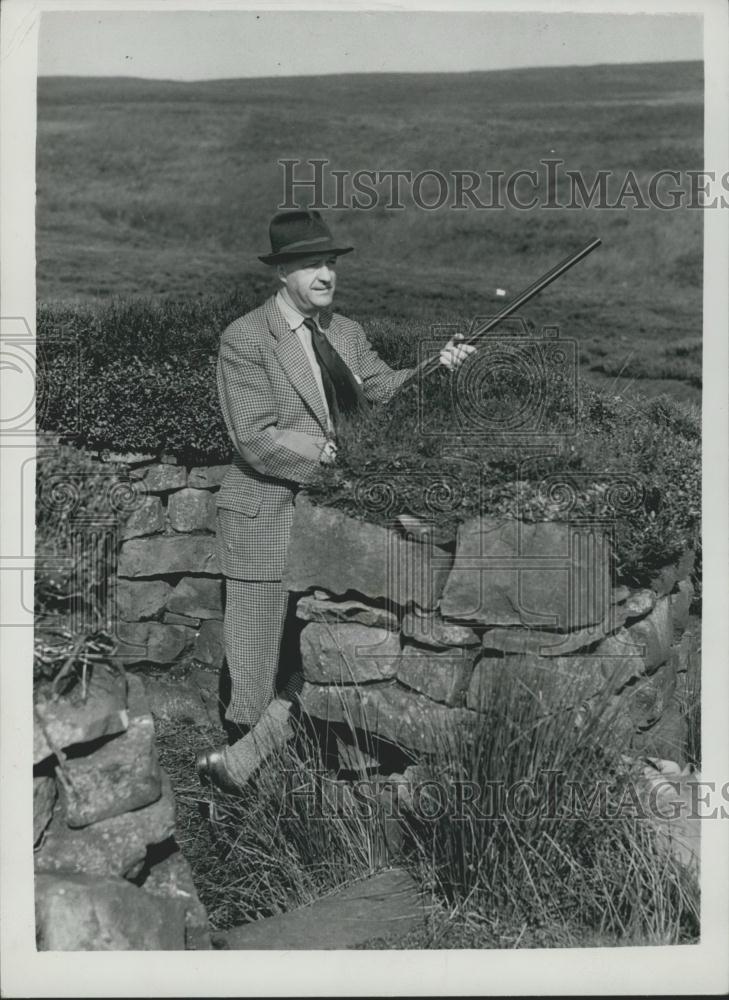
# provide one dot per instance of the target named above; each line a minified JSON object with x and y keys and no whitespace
{"x":328,"y":453}
{"x":454,"y":354}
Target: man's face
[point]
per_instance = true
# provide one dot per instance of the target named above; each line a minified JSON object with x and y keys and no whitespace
{"x":310,"y":282}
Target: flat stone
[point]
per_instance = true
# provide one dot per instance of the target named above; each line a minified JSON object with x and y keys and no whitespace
{"x":162,"y":477}
{"x":153,"y":642}
{"x":330,"y":550}
{"x":348,"y":653}
{"x":430,"y":629}
{"x":44,"y":799}
{"x":137,"y":600}
{"x":314,"y":609}
{"x":69,"y":721}
{"x":84,"y":912}
{"x":121,"y":775}
{"x":207,"y":477}
{"x":172,"y":879}
{"x":192,"y":510}
{"x":198,"y":597}
{"x":669,"y":575}
{"x":210,"y":644}
{"x":549,"y":683}
{"x":541,"y":643}
{"x":387,"y":710}
{"x":164,"y":554}
{"x":147,"y":518}
{"x":442,"y":675}
{"x":115,"y":846}
{"x":175,"y":701}
{"x":170,"y":618}
{"x":648,"y":640}
{"x":386,"y":905}
{"x":509,"y":572}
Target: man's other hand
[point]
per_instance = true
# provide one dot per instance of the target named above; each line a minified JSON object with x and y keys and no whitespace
{"x":328,"y":453}
{"x":455,"y":353}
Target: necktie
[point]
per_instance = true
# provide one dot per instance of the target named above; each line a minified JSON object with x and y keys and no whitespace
{"x":343,"y":392}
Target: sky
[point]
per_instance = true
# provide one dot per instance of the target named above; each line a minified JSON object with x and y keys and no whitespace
{"x":184,"y":45}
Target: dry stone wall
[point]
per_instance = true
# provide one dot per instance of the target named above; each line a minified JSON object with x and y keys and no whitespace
{"x":109,"y":875}
{"x":405,"y":637}
{"x":169,"y":591}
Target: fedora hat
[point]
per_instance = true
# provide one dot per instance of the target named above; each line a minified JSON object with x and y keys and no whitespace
{"x":299,"y":233}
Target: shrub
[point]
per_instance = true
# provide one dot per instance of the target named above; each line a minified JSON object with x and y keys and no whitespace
{"x":142,"y":378}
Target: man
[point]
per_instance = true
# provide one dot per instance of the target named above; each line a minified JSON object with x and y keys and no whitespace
{"x":286,"y":371}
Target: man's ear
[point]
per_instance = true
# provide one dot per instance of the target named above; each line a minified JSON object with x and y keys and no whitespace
{"x":281,"y":273}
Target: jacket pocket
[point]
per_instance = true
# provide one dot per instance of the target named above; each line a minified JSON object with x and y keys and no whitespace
{"x":239,"y":502}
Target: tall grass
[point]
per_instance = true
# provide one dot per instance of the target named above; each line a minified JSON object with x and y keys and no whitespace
{"x":573,"y":873}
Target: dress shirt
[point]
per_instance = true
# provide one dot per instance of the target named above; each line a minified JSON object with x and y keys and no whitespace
{"x":295,"y":321}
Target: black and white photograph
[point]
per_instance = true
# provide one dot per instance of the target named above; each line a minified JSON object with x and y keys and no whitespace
{"x":364,"y":542}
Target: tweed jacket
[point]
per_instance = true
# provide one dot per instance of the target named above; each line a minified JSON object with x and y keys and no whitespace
{"x":277,"y":422}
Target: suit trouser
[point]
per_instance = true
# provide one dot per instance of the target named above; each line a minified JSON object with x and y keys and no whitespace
{"x":256,"y":612}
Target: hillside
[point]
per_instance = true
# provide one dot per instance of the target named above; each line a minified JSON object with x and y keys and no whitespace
{"x":150,"y":188}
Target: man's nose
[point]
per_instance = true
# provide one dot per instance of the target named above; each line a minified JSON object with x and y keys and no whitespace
{"x":326,"y":273}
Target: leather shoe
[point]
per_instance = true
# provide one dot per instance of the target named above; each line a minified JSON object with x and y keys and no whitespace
{"x":211,"y":770}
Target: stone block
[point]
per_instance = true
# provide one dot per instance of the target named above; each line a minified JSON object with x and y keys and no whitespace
{"x":84,"y":912}
{"x":648,"y":639}
{"x":388,"y":711}
{"x":508,"y":572}
{"x":430,"y":629}
{"x":44,"y":799}
{"x":115,"y":846}
{"x":69,"y":721}
{"x":153,"y":642}
{"x":138,"y":600}
{"x":164,"y":554}
{"x":172,"y":879}
{"x":549,"y":683}
{"x":207,"y":477}
{"x":314,"y":609}
{"x":540,"y":643}
{"x":209,"y":644}
{"x":347,"y":653}
{"x":384,"y":906}
{"x":121,"y":775}
{"x":338,"y":553}
{"x":161,"y":478}
{"x":192,"y":510}
{"x":198,"y":597}
{"x":442,"y":675}
{"x":146,"y":519}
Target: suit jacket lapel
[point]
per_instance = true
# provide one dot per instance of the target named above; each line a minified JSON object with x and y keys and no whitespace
{"x":293,"y":360}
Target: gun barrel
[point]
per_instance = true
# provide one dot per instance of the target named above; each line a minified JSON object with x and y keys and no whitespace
{"x":430,"y":364}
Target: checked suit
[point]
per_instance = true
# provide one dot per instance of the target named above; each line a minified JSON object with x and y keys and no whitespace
{"x":277,"y":421}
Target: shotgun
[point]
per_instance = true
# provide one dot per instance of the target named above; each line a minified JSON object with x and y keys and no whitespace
{"x":430,"y":364}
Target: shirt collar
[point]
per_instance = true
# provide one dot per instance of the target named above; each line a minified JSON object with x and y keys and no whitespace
{"x":291,"y":314}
